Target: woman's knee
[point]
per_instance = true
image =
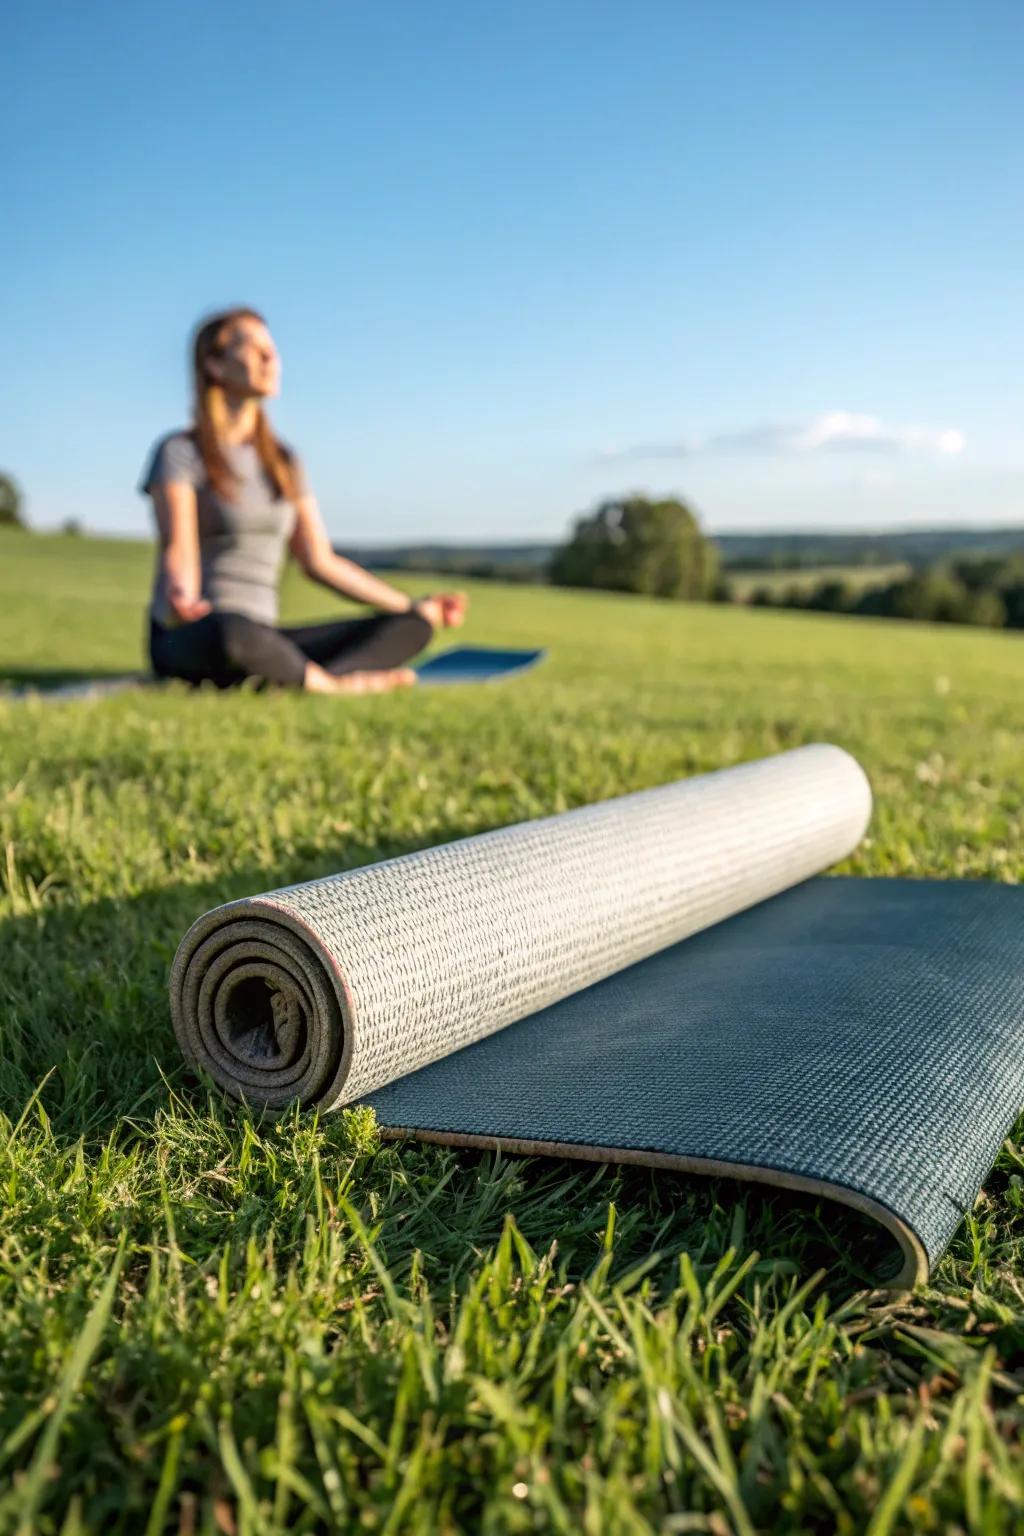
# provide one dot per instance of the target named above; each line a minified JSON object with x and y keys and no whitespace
{"x":412,"y":632}
{"x":413,"y":625}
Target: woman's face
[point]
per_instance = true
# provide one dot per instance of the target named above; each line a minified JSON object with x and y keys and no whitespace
{"x":248,"y":365}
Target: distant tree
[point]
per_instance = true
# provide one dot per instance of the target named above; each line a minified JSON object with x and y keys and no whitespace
{"x":933,"y":596}
{"x":995,"y":584}
{"x":73,"y":527}
{"x":10,"y":503}
{"x":1013,"y":602}
{"x":990,"y":572}
{"x":636,"y":545}
{"x":875,"y":602}
{"x":983,"y":606}
{"x":830,"y":597}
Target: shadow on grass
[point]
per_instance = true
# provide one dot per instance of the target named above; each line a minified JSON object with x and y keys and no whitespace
{"x":659,"y":1213}
{"x":83,"y":990}
{"x":83,"y":1006}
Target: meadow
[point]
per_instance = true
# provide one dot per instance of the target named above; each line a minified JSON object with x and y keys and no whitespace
{"x":212,"y":1322}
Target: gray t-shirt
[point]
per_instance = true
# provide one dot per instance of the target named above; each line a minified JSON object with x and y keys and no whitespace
{"x":241,"y":542}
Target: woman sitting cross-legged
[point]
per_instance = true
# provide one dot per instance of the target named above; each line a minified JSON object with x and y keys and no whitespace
{"x":230,"y":499}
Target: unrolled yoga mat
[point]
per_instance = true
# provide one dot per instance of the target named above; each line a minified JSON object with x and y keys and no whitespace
{"x":460,"y":664}
{"x":475,"y":664}
{"x":84,"y":688}
{"x":654,"y":979}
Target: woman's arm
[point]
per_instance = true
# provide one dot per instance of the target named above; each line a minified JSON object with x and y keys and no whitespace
{"x":311,"y":547}
{"x":178,"y":523}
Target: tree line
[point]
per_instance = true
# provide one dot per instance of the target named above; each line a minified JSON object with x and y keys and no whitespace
{"x":657,"y":548}
{"x":986,"y":591}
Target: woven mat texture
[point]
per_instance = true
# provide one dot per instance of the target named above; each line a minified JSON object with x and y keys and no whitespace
{"x":328,"y":990}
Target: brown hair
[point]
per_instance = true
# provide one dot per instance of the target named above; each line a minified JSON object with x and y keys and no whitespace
{"x":209,"y":412}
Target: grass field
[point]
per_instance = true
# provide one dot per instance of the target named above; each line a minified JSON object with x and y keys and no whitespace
{"x":210,"y":1323}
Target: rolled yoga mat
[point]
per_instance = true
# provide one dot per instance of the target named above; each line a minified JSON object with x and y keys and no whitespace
{"x":628,"y":982}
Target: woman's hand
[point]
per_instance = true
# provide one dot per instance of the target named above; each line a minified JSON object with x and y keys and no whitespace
{"x":185,"y":606}
{"x":443,"y":610}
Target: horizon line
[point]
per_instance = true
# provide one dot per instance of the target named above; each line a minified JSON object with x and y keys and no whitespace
{"x":835,"y":531}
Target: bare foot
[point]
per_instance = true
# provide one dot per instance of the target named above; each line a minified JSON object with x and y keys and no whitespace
{"x":375,"y":682}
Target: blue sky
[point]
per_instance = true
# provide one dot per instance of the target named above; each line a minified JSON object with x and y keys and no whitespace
{"x":521,"y":256}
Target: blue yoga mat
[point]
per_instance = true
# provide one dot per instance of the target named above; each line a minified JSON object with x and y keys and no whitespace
{"x":475,"y":664}
{"x":462,"y":664}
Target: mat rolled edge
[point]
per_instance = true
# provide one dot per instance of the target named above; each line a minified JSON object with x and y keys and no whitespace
{"x":260,"y":1004}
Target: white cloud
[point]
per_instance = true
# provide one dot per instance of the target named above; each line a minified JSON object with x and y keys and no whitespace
{"x":829,"y":432}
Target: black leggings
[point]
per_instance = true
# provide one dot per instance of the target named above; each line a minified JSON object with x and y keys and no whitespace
{"x":227,"y":648}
